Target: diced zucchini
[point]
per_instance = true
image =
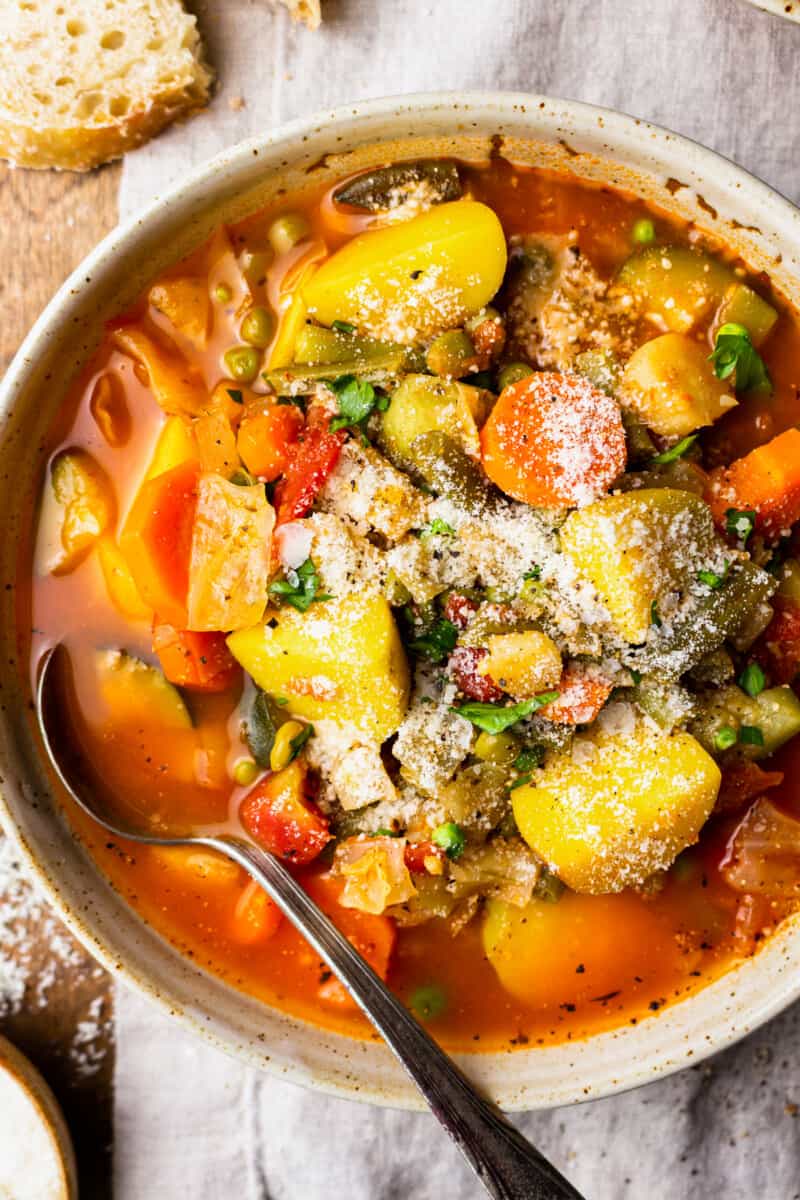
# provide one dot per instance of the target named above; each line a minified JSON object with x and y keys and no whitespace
{"x":679,"y":285}
{"x":343,"y":660}
{"x":137,"y":694}
{"x":317,"y":345}
{"x":422,"y":404}
{"x":743,"y":306}
{"x":606,"y":818}
{"x":671,"y":386}
{"x":388,"y":187}
{"x":299,"y":378}
{"x":775,"y":712}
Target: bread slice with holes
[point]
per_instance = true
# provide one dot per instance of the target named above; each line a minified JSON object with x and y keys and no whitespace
{"x":82,"y":81}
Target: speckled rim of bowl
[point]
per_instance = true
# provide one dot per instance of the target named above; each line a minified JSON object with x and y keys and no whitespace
{"x":597,"y":144}
{"x":788,"y":9}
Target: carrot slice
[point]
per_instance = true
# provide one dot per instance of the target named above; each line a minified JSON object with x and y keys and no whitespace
{"x":552,"y":440}
{"x":766,"y":481}
{"x":200,"y":662}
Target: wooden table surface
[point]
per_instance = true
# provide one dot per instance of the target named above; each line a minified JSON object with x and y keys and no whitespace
{"x":48,"y":222}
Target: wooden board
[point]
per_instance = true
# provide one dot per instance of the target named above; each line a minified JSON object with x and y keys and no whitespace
{"x":48,"y":223}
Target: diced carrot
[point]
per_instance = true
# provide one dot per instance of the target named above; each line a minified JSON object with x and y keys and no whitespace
{"x":766,"y":481}
{"x":266,"y":438}
{"x":552,"y":440}
{"x":256,"y":918}
{"x":157,"y":540}
{"x":778,"y":648}
{"x":373,"y":936}
{"x":201,"y":662}
{"x":743,"y":782}
{"x":277,"y":814}
{"x":312,"y":461}
{"x":580,"y":698}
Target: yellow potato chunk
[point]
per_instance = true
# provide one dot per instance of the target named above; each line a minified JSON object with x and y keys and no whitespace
{"x":522,"y":664}
{"x":416,"y":278}
{"x":175,"y":445}
{"x":622,"y":804}
{"x":637,"y":547}
{"x":671,"y":386}
{"x":343,"y":659}
{"x":122,"y":591}
{"x":677,"y":284}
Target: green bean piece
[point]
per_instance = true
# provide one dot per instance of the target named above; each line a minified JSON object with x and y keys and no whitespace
{"x":451,"y":354}
{"x":389,"y":187}
{"x":286,"y":231}
{"x":317,"y":345}
{"x":512,"y":373}
{"x":258,"y":327}
{"x":448,"y":471}
{"x":242,"y":363}
{"x":300,"y":378}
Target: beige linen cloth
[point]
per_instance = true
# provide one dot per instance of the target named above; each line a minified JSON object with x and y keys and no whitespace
{"x":191,"y":1124}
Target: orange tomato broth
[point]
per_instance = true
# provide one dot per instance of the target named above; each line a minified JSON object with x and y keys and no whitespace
{"x":611,"y":959}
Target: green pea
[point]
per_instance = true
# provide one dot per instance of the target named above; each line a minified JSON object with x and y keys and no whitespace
{"x":644,"y":232}
{"x":450,"y":838}
{"x":258,"y":327}
{"x":222,"y":293}
{"x":428,"y":1002}
{"x":451,"y":354}
{"x":245,"y":771}
{"x":286,"y":231}
{"x":512,"y":373}
{"x":242,"y":363}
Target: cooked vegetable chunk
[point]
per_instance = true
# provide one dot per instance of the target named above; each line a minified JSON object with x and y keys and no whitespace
{"x":677,"y":284}
{"x":671,"y":386}
{"x":342,"y":660}
{"x":138,"y":694}
{"x":553,"y":440}
{"x":278,"y":815}
{"x":622,"y":805}
{"x":422,"y":404}
{"x":200,"y":662}
{"x":414,"y":279}
{"x":769,"y":719}
{"x":186,"y":304}
{"x":176,"y":386}
{"x":522,"y":664}
{"x":375,"y":873}
{"x":79,"y":507}
{"x":175,"y":446}
{"x":122,"y":591}
{"x":388,"y":187}
{"x":638,"y":546}
{"x":766,"y":481}
{"x":742,"y":306}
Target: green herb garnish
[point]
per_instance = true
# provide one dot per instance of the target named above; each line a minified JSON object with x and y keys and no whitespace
{"x":734,"y":354}
{"x":752,"y":680}
{"x":751,"y":735}
{"x":655,"y":619}
{"x":494,"y":718}
{"x":677,"y":451}
{"x":712,"y":580}
{"x":356,"y":398}
{"x":235,"y":395}
{"x":299,"y":588}
{"x":436,"y":642}
{"x":450,"y":838}
{"x":740,"y":523}
{"x":534,"y":573}
{"x":436,"y":526}
{"x":725,"y":737}
{"x":343,"y":327}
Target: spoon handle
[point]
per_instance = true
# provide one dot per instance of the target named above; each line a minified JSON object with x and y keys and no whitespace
{"x":506,"y":1164}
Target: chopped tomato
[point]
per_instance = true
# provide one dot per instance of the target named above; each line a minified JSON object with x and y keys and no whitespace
{"x":157,"y":540}
{"x":277,"y":815}
{"x":266,"y":439}
{"x":778,"y":648}
{"x":580,"y":698}
{"x":464,"y":670}
{"x":373,"y":936}
{"x":201,"y":662}
{"x":256,"y":918}
{"x":552,"y":440}
{"x":417,"y":852}
{"x":766,"y":481}
{"x":312,"y":461}
{"x":742,"y":782}
{"x":459,"y":609}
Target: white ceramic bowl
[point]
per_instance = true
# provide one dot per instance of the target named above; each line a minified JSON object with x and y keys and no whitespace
{"x":684,"y":179}
{"x":790,"y":9}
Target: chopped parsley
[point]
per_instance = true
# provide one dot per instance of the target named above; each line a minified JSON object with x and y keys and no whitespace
{"x":299,"y":588}
{"x":725,"y":737}
{"x":357,"y":400}
{"x":712,"y":580}
{"x":752,"y":680}
{"x":494,"y":718}
{"x":526,"y":762}
{"x":734,"y":354}
{"x":534,"y":573}
{"x":740,"y":523}
{"x":299,"y":740}
{"x":436,"y":526}
{"x":674,"y":452}
{"x":751,"y":735}
{"x":655,"y":619}
{"x":435,"y":642}
{"x":343,"y":327}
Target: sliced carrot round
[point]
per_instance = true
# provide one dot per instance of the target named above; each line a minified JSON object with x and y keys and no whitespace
{"x":553,"y":441}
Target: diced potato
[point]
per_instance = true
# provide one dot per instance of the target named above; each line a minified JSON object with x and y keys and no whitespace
{"x":343,"y":660}
{"x":522,"y":664}
{"x":122,"y":590}
{"x":412,"y":280}
{"x":581,"y":939}
{"x":775,"y":712}
{"x":621,"y":805}
{"x":671,"y":386}
{"x":176,"y":386}
{"x":677,"y":284}
{"x":186,"y":304}
{"x":424,"y":403}
{"x":175,"y":446}
{"x":78,"y":508}
{"x":742,"y":306}
{"x":638,"y":546}
{"x":137,"y":694}
{"x":229,"y":567}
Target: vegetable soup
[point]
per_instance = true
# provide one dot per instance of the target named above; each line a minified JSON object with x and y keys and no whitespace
{"x":437,"y":531}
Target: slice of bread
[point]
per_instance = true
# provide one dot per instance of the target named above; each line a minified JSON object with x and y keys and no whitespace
{"x":82,"y":81}
{"x":305,"y":10}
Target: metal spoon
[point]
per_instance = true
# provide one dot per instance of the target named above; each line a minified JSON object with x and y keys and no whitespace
{"x":506,"y":1164}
